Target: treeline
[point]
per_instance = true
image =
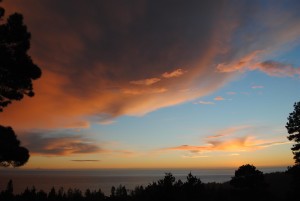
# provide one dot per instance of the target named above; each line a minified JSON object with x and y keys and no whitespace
{"x":248,"y":186}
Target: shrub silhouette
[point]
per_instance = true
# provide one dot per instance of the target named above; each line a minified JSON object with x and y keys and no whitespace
{"x":11,"y":153}
{"x":247,"y":176}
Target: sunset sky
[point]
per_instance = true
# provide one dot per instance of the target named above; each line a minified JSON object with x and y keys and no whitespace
{"x":159,"y":84}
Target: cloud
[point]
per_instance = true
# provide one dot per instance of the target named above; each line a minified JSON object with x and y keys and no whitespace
{"x":195,"y":156}
{"x":175,"y":73}
{"x":238,"y":144}
{"x":231,"y":93}
{"x":229,"y":131}
{"x":257,"y":87}
{"x":234,"y":154}
{"x":233,"y":139}
{"x":85,"y":160}
{"x":219,"y":98}
{"x":107,"y":122}
{"x":66,"y":143}
{"x":59,"y":144}
{"x":242,"y":64}
{"x":144,"y":91}
{"x":205,"y":102}
{"x":278,"y":69}
{"x":146,"y":82}
{"x":95,"y":63}
{"x":250,"y":63}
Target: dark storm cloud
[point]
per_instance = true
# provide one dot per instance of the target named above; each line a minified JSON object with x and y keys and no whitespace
{"x":121,"y":40}
{"x":103,"y":59}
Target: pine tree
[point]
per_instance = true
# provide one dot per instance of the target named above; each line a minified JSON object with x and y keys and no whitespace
{"x":293,"y":128}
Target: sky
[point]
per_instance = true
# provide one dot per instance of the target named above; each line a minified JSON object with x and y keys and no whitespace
{"x":158,"y":84}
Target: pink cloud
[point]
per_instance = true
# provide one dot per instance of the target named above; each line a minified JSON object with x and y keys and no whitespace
{"x":219,"y":98}
{"x":278,"y":69}
{"x":250,"y":63}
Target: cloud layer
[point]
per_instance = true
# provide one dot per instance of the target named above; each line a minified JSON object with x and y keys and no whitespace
{"x":59,"y":144}
{"x":232,"y":139}
{"x":133,"y":58}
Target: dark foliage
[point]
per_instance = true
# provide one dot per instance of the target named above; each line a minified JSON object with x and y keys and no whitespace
{"x":293,"y":128}
{"x":17,"y":69}
{"x":247,"y":176}
{"x":294,"y":171}
{"x":164,"y":189}
{"x":11,"y":153}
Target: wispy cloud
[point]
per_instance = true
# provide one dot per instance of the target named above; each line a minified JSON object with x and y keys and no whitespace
{"x":257,"y":87}
{"x":59,"y":144}
{"x":175,"y":73}
{"x":107,"y":122}
{"x":278,"y":69}
{"x":205,"y":102}
{"x":65,"y":143}
{"x":250,"y":63}
{"x":146,"y":82}
{"x":86,"y":160}
{"x":228,"y":131}
{"x":234,"y":154}
{"x":133,"y":91}
{"x":194,"y":156}
{"x":219,"y":98}
{"x":234,"y":139}
{"x":231,"y":93}
{"x":238,"y":144}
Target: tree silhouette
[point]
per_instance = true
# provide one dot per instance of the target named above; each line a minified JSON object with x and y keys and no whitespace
{"x":293,"y":128}
{"x":247,"y":176}
{"x":11,"y":153}
{"x":17,"y":69}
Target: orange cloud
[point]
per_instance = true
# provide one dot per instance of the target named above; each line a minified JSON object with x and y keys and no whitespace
{"x":229,"y":131}
{"x":250,"y":63}
{"x":85,"y":160}
{"x":241,"y":144}
{"x":134,"y":91}
{"x":219,"y":98}
{"x":146,"y":82}
{"x":241,"y":64}
{"x":278,"y":69}
{"x":175,"y":73}
{"x":92,"y":69}
{"x":233,"y":139}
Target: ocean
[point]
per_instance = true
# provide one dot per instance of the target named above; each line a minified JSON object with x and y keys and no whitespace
{"x":106,"y":178}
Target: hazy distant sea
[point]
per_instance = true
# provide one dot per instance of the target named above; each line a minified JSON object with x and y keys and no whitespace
{"x":105,"y":179}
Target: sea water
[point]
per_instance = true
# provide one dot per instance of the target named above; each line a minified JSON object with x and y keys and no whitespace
{"x":104,"y":179}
